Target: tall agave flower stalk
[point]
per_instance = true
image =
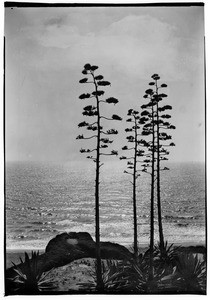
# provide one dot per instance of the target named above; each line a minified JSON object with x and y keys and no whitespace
{"x":155,"y":123}
{"x":160,"y":125}
{"x":102,"y":142}
{"x":132,"y":163}
{"x":148,"y":117}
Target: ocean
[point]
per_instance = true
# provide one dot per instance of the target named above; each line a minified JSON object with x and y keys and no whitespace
{"x":44,"y":199}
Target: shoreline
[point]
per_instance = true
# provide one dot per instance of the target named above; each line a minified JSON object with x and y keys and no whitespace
{"x":141,"y":246}
{"x":13,"y":255}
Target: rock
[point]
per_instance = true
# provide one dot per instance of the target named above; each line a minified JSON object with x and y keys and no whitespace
{"x":60,"y":241}
{"x":77,"y":245}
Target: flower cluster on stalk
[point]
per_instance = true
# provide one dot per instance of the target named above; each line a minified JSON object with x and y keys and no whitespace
{"x":154,"y":119}
{"x":94,"y":111}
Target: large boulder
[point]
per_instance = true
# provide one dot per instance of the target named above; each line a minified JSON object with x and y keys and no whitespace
{"x":77,"y":245}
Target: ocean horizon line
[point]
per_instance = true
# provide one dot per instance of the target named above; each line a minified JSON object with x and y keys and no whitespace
{"x":88,"y":162}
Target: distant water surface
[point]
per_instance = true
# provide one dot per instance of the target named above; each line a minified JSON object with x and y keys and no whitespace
{"x":45,"y":199}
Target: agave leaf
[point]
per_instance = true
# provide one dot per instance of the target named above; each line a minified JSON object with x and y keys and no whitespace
{"x":21,"y":260}
{"x":20,"y":273}
{"x":19,"y":281}
{"x":45,"y":274}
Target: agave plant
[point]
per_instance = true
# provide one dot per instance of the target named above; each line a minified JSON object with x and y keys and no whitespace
{"x":115,"y":278}
{"x":191,"y":273}
{"x":131,"y":276}
{"x":30,"y":279}
{"x":166,"y":255}
{"x":174,"y":272}
{"x":188,"y":276}
{"x":140,"y":277}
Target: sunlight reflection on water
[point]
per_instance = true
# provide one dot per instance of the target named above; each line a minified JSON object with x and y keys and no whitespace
{"x":44,"y":199}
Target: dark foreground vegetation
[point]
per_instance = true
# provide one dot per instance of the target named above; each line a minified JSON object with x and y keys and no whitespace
{"x":178,"y":270}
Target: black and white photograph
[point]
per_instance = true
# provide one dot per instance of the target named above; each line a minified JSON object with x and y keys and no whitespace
{"x":104,"y":149}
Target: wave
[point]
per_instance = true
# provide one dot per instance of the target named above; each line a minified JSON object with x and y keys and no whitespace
{"x":172,"y":217}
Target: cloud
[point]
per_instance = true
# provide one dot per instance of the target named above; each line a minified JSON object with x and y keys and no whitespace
{"x":58,"y":21}
{"x":144,"y":27}
{"x":137,"y":45}
{"x":45,"y":56}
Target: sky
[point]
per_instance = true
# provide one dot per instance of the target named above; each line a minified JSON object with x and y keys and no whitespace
{"x":46,"y":49}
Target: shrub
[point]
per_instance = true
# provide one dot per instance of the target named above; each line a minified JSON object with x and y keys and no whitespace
{"x":30,"y":279}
